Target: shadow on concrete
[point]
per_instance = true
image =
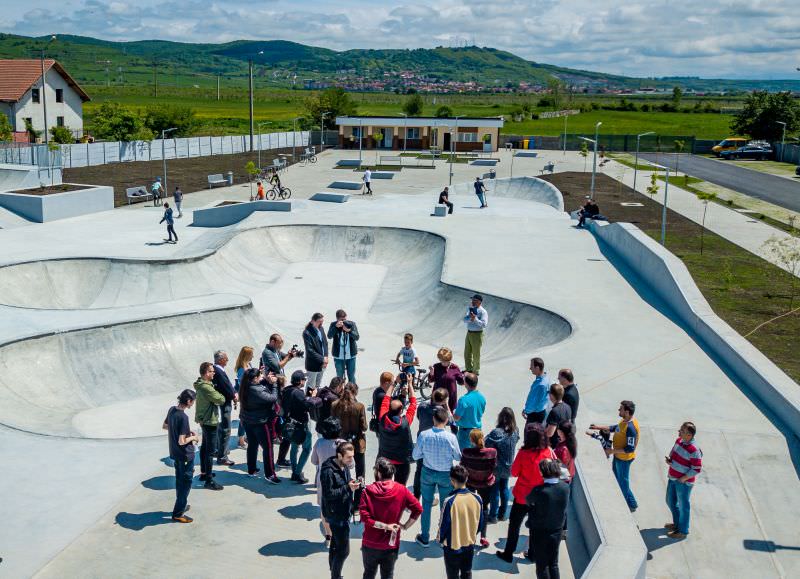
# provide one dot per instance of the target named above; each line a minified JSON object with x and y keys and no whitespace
{"x":159,"y":483}
{"x":485,"y":559}
{"x":293,"y":548}
{"x":305,"y":511}
{"x":655,"y":538}
{"x":139,"y":521}
{"x":766,"y":546}
{"x":259,"y":485}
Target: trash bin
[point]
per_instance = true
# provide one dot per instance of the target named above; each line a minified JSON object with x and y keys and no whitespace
{"x":492,"y":174}
{"x":229,"y":177}
{"x":530,"y":143}
{"x":524,"y":143}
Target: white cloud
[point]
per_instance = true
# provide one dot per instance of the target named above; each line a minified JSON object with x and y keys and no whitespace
{"x":733,"y":38}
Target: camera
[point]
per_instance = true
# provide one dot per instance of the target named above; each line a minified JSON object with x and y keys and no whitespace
{"x":296,"y":352}
{"x":473,"y":311}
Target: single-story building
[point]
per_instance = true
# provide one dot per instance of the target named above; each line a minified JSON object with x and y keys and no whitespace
{"x":463,"y":134}
{"x":23,"y":94}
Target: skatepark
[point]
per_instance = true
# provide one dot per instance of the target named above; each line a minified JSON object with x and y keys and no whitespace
{"x":102,"y":324}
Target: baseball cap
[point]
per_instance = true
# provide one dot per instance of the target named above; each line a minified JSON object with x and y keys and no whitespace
{"x":298,"y":376}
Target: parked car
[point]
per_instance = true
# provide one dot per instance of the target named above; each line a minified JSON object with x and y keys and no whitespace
{"x":729,"y":144}
{"x":759,"y":152}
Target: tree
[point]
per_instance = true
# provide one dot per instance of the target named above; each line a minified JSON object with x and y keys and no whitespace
{"x":6,"y":131}
{"x":251,"y":170}
{"x":584,"y":152}
{"x":61,"y":135}
{"x":33,"y":134}
{"x":378,"y":137}
{"x":52,"y":148}
{"x":115,"y":122}
{"x":333,"y":101}
{"x":413,"y":105}
{"x":705,"y":197}
{"x":677,"y":95}
{"x":444,"y":112}
{"x":556,"y":88}
{"x":761,"y":113}
{"x":679,"y":145}
{"x":786,"y":251}
{"x":161,"y":117}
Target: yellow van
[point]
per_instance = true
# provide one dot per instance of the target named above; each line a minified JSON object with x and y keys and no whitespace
{"x":729,"y":144}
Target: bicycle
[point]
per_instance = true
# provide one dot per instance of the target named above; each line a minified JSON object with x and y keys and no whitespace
{"x":308,"y":157}
{"x":282,"y":193}
{"x":419,"y":381}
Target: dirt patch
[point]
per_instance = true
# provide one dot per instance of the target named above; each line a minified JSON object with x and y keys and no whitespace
{"x":190,"y":174}
{"x":50,"y":190}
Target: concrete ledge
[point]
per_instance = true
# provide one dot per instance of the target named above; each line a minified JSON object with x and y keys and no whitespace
{"x":230,"y":214}
{"x":14,"y":177}
{"x":43,"y":208}
{"x":526,"y":154}
{"x":439,"y":211}
{"x":383,"y":174}
{"x":352,"y":185}
{"x":669,"y":279}
{"x":485,"y":162}
{"x":330,"y":197}
{"x":348,"y":163}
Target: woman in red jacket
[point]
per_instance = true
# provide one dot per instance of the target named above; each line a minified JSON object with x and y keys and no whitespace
{"x":526,"y":468}
{"x":567,"y":448}
{"x":480,"y":462}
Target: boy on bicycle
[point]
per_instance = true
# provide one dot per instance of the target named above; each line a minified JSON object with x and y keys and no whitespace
{"x":407,"y":359}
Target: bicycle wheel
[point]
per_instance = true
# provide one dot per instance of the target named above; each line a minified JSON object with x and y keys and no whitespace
{"x":286,"y":193}
{"x":423,"y":387}
{"x":313,"y":159}
{"x":271,"y":195}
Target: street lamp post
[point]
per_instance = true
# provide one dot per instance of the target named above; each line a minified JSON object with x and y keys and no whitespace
{"x":360,"y":139}
{"x":453,"y":140}
{"x":783,"y":138}
{"x":164,"y":157}
{"x":294,"y":135}
{"x":594,"y":160}
{"x":636,"y":164}
{"x":252,"y":126}
{"x":44,"y":91}
{"x":261,"y":124}
{"x":565,"y":135}
{"x":322,"y":130}
{"x":594,"y":143}
{"x":405,"y":130}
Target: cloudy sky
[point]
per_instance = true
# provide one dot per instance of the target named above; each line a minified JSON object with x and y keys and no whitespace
{"x":724,"y":38}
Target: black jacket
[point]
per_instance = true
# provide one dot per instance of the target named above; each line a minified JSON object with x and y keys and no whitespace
{"x":327,"y":398}
{"x":337,"y":498}
{"x":337,"y":335}
{"x":316,"y":350}
{"x":548,"y":506}
{"x":222,"y":384}
{"x":296,"y":404}
{"x":271,"y":359}
{"x":394,"y":440}
{"x":258,"y":403}
{"x":572,"y":398}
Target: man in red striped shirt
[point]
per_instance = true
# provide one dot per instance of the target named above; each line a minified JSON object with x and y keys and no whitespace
{"x":685,"y":461}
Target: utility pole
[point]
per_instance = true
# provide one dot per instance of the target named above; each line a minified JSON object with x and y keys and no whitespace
{"x":155,"y":78}
{"x":252,"y":125}
{"x":108,"y":77}
{"x":44,"y":92}
{"x":217,"y":87}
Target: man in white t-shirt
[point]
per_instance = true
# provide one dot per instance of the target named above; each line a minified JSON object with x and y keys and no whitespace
{"x":368,"y":182}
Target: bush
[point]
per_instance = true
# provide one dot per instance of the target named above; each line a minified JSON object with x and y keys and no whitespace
{"x":161,"y":117}
{"x":413,"y":105}
{"x":6,"y":132}
{"x":114,"y":122}
{"x":61,"y":135}
{"x":444,"y":112}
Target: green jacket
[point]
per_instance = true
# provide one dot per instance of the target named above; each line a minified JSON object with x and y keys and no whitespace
{"x":205,"y":407}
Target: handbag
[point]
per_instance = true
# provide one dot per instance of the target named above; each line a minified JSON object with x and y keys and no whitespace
{"x":294,"y":431}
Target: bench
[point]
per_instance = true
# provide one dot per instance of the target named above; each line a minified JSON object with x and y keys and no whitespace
{"x":547,"y":168}
{"x":383,"y":175}
{"x":351,"y":185}
{"x":439,"y":211}
{"x":330,"y":197}
{"x":136,"y":193}
{"x":391,"y":160}
{"x":279,"y":164}
{"x":216,"y":179}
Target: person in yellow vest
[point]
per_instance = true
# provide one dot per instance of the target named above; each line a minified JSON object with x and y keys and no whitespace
{"x":624,"y":440}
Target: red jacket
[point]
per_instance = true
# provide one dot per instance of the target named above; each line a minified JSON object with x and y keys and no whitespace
{"x":385,"y":501}
{"x":526,"y":468}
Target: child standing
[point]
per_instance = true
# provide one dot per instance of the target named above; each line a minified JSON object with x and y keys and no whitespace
{"x":407,"y":358}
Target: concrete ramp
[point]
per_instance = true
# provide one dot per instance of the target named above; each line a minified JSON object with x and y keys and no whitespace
{"x":528,"y":188}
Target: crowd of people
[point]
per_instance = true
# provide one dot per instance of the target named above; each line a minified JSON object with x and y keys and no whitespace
{"x":463,"y":463}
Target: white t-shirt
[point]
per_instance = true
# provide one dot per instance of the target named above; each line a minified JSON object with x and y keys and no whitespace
{"x":367,"y":176}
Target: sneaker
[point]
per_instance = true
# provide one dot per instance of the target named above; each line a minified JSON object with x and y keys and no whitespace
{"x":299,"y":478}
{"x":273,"y":479}
{"x":225,"y":462}
{"x":503,"y":557}
{"x":669,"y":526}
{"x":484,"y":543}
{"x":204,"y":477}
{"x":676,"y":535}
{"x":422,"y":541}
{"x":633,"y":509}
{"x":491,"y":520}
{"x":501,"y":518}
{"x":283,"y":464}
{"x":255,"y":472}
{"x":213,"y":485}
{"x":182,"y":519}
{"x":328,"y":541}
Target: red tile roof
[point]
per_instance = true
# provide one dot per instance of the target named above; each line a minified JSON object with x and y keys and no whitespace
{"x":17,"y":76}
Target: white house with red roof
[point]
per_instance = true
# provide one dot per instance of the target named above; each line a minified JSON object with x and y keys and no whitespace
{"x":23,"y":93}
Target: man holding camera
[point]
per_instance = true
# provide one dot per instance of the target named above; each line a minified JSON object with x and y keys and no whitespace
{"x":316,"y":350}
{"x":344,"y":347}
{"x":476,"y":320}
{"x":337,"y":503}
{"x":297,"y":401}
{"x":273,"y":359}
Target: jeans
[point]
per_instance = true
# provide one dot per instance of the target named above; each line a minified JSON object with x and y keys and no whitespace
{"x":184,"y":471}
{"x":171,"y":232}
{"x":472,"y":352}
{"x":484,"y":494}
{"x":498,"y":503}
{"x":544,"y":548}
{"x":463,"y":437}
{"x":340,"y":547}
{"x":449,"y":207}
{"x":240,"y":429}
{"x":481,"y":198}
{"x":259,"y":435}
{"x":314,"y":379}
{"x":299,"y":464}
{"x":678,"y":495}
{"x":432,"y":480}
{"x":622,"y":471}
{"x":518,"y":514}
{"x":374,"y":558}
{"x":361,"y":470}
{"x":178,"y":207}
{"x":208,"y":449}
{"x":348,"y":366}
{"x":224,"y":431}
{"x":458,"y":564}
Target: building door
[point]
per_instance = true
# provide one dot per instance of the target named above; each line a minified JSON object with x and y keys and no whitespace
{"x":446,"y":143}
{"x":388,"y":137}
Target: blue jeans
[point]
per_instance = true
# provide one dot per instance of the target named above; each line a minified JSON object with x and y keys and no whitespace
{"x":299,"y":464}
{"x":184,"y":471}
{"x":348,"y":366}
{"x":463,"y":437}
{"x":678,"y":495}
{"x":432,"y":480}
{"x":622,"y":471}
{"x":481,"y":198}
{"x":501,"y":495}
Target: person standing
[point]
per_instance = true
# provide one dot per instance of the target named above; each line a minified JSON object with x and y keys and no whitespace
{"x":504,"y":439}
{"x":206,"y":414}
{"x":468,"y":414}
{"x":462,"y":515}
{"x":536,"y":403}
{"x":382,"y":506}
{"x":571,"y":395}
{"x":624,"y":441}
{"x":559,"y":413}
{"x":223,"y":385}
{"x":157,"y":190}
{"x":181,"y":451}
{"x":444,"y":199}
{"x":547,"y":517}
{"x":344,"y":345}
{"x":353,"y":417}
{"x":476,"y":321}
{"x":566,"y":450}
{"x":296,"y":405}
{"x":445,"y":374}
{"x":480,"y":191}
{"x":337,"y":504}
{"x":425,"y":412}
{"x":394,"y":433}
{"x":438,"y":450}
{"x":330,"y":431}
{"x":480,"y":461}
{"x":170,"y":224}
{"x":316,"y":350}
{"x":177,"y":196}
{"x":258,"y":395}
{"x":327,"y":396}
{"x":685,"y":461}
{"x":274,"y":360}
{"x":368,"y":182}
{"x":244,"y":361}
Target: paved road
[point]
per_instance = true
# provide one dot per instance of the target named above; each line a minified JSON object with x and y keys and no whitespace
{"x":778,"y":190}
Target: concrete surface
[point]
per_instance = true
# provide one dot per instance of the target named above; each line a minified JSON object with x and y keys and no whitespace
{"x":42,"y":208}
{"x":625,"y":343}
{"x":13,"y":176}
{"x":355,"y":185}
{"x":330,"y":197}
{"x":224,"y":215}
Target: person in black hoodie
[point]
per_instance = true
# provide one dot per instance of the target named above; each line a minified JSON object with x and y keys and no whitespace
{"x":328,"y":395}
{"x":296,"y":404}
{"x":257,"y":395}
{"x":394,"y":433}
{"x":547,"y":514}
{"x":344,"y":347}
{"x":337,"y":503}
{"x":316,"y":350}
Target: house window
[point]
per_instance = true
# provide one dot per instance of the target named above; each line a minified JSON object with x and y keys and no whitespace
{"x":412,"y":133}
{"x":60,"y":121}
{"x":357,"y":132}
{"x":59,"y":95}
{"x":35,"y":95}
{"x":468,"y":137}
